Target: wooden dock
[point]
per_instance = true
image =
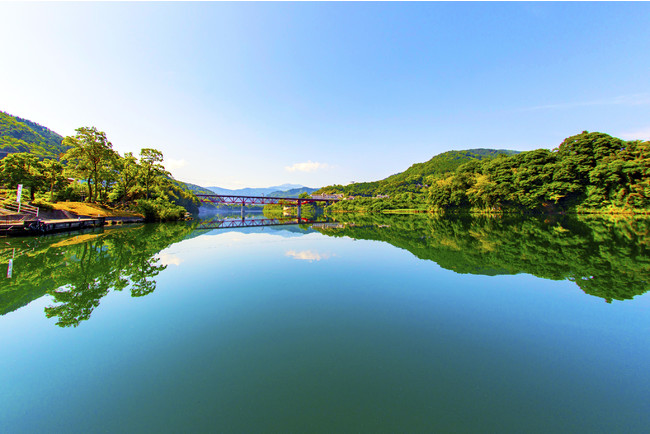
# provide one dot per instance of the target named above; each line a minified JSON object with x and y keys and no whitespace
{"x":40,"y":227}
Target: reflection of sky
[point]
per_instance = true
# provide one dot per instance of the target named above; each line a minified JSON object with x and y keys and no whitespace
{"x":231,"y":329}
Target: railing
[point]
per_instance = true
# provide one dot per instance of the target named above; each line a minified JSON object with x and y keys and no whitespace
{"x":247,"y":223}
{"x":13,"y":206}
{"x":258,"y":200}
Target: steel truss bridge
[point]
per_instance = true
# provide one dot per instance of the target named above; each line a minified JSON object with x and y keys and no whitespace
{"x":261,"y":200}
{"x":248,"y":223}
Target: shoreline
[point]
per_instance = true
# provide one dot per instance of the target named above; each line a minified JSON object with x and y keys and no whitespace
{"x":593,"y":212}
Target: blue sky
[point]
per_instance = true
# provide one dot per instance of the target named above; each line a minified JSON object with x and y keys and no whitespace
{"x":259,"y":94}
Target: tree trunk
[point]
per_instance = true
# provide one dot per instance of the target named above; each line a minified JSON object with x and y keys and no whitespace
{"x":90,"y":190}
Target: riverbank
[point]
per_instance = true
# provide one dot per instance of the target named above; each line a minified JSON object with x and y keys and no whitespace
{"x":88,"y":209}
{"x":65,"y":217}
{"x":611,"y":211}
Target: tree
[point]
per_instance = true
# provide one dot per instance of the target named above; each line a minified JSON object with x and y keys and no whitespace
{"x":22,"y":168}
{"x":53,"y":175}
{"x":151,"y":169}
{"x":129,"y":170}
{"x":90,"y":157}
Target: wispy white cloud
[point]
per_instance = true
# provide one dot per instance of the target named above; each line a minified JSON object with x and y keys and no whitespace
{"x":307,"y":255}
{"x":169,"y":259}
{"x":622,"y":100}
{"x":308,"y":166}
{"x":640,"y":134}
{"x":171,"y":164}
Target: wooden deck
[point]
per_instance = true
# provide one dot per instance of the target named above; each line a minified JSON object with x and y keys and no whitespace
{"x":38,"y":227}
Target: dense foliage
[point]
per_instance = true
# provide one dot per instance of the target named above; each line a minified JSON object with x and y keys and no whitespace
{"x":607,"y":258}
{"x":91,"y":170}
{"x":588,"y":171}
{"x":398,"y":201}
{"x":22,"y":135}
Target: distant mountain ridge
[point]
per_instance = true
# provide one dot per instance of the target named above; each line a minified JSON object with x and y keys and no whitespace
{"x":264,"y":191}
{"x":284,"y":190}
{"x":22,"y":135}
{"x":294,"y":192}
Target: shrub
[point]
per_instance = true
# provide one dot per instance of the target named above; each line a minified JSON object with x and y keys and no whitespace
{"x":159,"y":210}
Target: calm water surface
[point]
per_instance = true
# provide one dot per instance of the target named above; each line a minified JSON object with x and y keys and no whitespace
{"x":365,"y":324}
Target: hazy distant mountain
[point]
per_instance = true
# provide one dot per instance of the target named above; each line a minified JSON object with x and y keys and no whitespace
{"x":255,"y":191}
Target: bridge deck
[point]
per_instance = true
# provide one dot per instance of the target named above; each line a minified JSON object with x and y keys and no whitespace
{"x":246,"y":223}
{"x":257,"y":200}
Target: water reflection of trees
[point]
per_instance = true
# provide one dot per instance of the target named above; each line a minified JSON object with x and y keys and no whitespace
{"x":79,"y":271}
{"x":605,"y":257}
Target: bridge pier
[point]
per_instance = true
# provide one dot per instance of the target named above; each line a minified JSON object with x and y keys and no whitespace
{"x":243,"y":207}
{"x":299,"y":208}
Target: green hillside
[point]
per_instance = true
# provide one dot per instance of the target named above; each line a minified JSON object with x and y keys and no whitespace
{"x":294,"y":192}
{"x":412,"y":179}
{"x":446,"y":162}
{"x":22,"y":135}
{"x":197,"y":189}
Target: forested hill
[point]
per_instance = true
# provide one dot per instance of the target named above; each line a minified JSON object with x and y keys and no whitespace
{"x":22,"y":135}
{"x":294,"y":192}
{"x":446,"y":162}
{"x":412,"y":179}
{"x":197,"y":189}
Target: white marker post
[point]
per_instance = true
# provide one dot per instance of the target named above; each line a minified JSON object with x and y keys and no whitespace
{"x":10,"y":267}
{"x":19,"y":193}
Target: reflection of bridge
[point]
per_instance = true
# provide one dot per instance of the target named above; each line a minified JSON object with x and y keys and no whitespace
{"x":247,"y":223}
{"x":262,"y":200}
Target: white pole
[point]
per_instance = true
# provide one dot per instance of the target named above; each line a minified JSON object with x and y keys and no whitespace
{"x":19,"y":193}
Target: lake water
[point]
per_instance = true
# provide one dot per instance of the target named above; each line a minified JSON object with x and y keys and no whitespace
{"x":364,"y":324}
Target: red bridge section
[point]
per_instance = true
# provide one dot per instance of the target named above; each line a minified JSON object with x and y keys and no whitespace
{"x":263,"y":200}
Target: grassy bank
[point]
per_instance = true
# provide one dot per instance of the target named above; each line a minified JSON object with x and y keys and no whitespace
{"x":89,"y":209}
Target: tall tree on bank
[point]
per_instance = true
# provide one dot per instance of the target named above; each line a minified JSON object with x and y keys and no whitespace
{"x":152,"y":169}
{"x":127,"y":182}
{"x":22,"y":168}
{"x":88,"y":158}
{"x":53,"y":175}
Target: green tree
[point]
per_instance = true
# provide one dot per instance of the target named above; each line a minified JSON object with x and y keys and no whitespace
{"x":152,"y":173}
{"x":22,"y":168}
{"x":90,"y":158}
{"x":128,"y":170}
{"x":53,"y":176}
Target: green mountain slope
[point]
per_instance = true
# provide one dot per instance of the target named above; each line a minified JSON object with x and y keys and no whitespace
{"x":445,"y":162}
{"x":22,"y":135}
{"x":197,"y":189}
{"x":412,"y":179}
{"x":294,"y":192}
